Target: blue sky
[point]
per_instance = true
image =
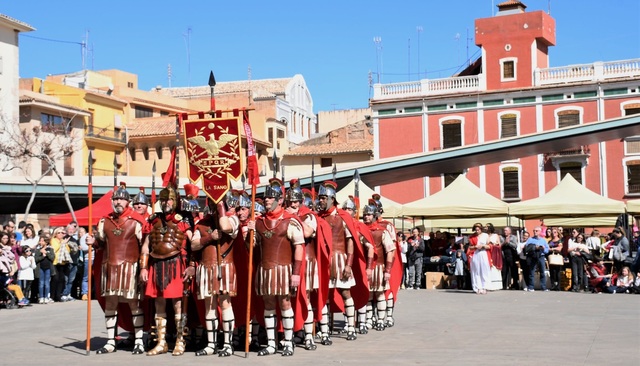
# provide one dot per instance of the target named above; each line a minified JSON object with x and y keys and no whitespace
{"x":331,"y":43}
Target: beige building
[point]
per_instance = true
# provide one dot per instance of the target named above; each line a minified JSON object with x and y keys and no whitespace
{"x":332,"y":120}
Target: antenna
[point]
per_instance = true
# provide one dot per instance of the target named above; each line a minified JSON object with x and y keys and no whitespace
{"x":419,"y":29}
{"x":409,"y":58}
{"x":187,"y":39}
{"x":169,"y":74}
{"x":83,"y":46}
{"x":249,"y":72}
{"x":457,"y":38}
{"x":378,"y":42}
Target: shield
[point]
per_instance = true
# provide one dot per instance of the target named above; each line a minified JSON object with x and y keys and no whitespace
{"x":213,"y":153}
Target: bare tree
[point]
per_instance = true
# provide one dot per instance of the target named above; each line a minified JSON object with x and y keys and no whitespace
{"x":49,"y":144}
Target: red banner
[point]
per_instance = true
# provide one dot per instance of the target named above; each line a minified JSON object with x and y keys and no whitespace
{"x":213,"y":153}
{"x":253,"y":175}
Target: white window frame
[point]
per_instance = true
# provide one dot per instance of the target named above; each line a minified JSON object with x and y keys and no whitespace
{"x":519,"y":167}
{"x":626,"y":176}
{"x":515,"y":68}
{"x":571,"y":108}
{"x":448,"y":118}
{"x":517,"y":113}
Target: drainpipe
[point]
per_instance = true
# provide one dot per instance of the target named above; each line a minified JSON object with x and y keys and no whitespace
{"x":601,"y":145}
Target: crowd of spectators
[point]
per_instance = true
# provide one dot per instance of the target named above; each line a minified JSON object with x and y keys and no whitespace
{"x":572,"y":259}
{"x":43,"y":266}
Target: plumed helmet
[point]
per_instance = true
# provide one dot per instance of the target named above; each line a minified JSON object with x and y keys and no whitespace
{"x":307,"y":199}
{"x":141,"y":197}
{"x":328,"y":189}
{"x":377,"y":202}
{"x":121,"y":192}
{"x":370,"y":208}
{"x":232,"y":198}
{"x":169,"y":193}
{"x":295,"y":192}
{"x":275,"y":189}
{"x":244,"y":200}
{"x":350,"y":203}
{"x":259,"y":208}
{"x":190,"y":202}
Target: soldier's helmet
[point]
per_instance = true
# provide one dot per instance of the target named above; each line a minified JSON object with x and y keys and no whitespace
{"x":294,"y":193}
{"x":121,"y":192}
{"x":259,"y":207}
{"x":370,"y":208}
{"x":275,"y":189}
{"x":244,"y":200}
{"x":141,"y":197}
{"x":170,"y":193}
{"x":190,"y":202}
{"x":328,"y":189}
{"x":350,"y":203}
{"x":377,"y":202}
{"x":232,"y":198}
{"x":307,"y":199}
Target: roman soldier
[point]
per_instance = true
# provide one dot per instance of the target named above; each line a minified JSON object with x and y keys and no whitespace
{"x":119,"y":234}
{"x":214,"y":237}
{"x":385,"y":250}
{"x":317,"y":235}
{"x":164,"y":266}
{"x":343,"y":258}
{"x":396,"y":273}
{"x":141,"y":203}
{"x":281,"y":240}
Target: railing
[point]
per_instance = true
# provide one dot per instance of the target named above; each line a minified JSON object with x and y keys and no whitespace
{"x":575,"y":151}
{"x":511,"y":194}
{"x":103,"y":172}
{"x":105,"y":133}
{"x":587,"y":72}
{"x":634,"y":188}
{"x":427,"y":87}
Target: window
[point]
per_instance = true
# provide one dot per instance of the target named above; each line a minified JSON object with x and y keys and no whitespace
{"x":142,"y":112}
{"x":164,"y":113}
{"x":145,"y":153}
{"x":508,"y":125}
{"x":129,"y":85}
{"x":631,"y":109}
{"x":54,"y":124}
{"x":271,"y":135}
{"x":159,"y":152}
{"x":132,"y":153}
{"x":44,"y":165}
{"x":510,"y":183}
{"x":573,"y":168}
{"x":450,"y":177}
{"x":451,"y":133}
{"x":568,"y":118}
{"x":508,"y":70}
{"x":280,"y":133}
{"x":633,"y":176}
{"x":68,"y":164}
{"x":326,"y":162}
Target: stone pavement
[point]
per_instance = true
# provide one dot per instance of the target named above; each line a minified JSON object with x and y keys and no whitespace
{"x":434,"y":327}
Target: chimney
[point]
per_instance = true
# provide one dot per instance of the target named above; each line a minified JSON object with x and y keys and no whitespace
{"x":510,"y":7}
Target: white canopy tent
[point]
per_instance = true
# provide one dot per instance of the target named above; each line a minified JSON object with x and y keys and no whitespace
{"x":461,"y":199}
{"x":633,"y":207}
{"x":391,"y":208}
{"x":569,"y":199}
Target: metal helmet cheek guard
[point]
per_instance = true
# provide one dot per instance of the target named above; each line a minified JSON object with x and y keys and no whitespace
{"x":307,"y":198}
{"x":328,"y":189}
{"x":295,"y":192}
{"x":121,"y":193}
{"x":169,"y":193}
{"x":274,"y":189}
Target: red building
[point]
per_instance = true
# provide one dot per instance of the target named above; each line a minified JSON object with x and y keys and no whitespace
{"x":511,"y":91}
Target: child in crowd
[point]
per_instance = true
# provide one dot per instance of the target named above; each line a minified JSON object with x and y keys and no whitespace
{"x":459,"y":272}
{"x":635,"y":289}
{"x":624,"y":281}
{"x":44,"y":258}
{"x":25,"y":273}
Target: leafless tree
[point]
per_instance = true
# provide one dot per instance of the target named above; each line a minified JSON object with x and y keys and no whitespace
{"x":25,"y":145}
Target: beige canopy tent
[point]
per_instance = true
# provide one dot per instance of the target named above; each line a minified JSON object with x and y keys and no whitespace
{"x":461,"y":199}
{"x":567,"y":199}
{"x":391,"y":208}
{"x":633,"y":207}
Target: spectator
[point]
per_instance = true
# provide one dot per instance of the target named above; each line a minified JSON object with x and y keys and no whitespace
{"x":619,"y":250}
{"x":635,"y":289}
{"x":10,"y":227}
{"x":578,"y":254}
{"x":510,"y":257}
{"x":29,"y":237}
{"x":15,"y":245}
{"x":404,"y":249}
{"x":25,"y":273}
{"x":599,"y":280}
{"x":73,"y":243}
{"x":8,"y":268}
{"x":624,"y":281}
{"x":460,"y":268}
{"x":536,"y":258}
{"x":523,"y":259}
{"x":45,"y":257}
{"x":555,"y":247}
{"x":548,"y":234}
{"x":59,"y":243}
{"x":593,"y":242}
{"x":480,"y":261}
{"x":84,"y":258}
{"x":415,"y":252}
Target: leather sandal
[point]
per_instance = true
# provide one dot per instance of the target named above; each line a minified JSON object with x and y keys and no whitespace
{"x":310,"y":345}
{"x":287,"y":350}
{"x":268,"y":350}
{"x":379,"y":326}
{"x":326,"y":341}
{"x":207,"y":351}
{"x":363,"y":329}
{"x":138,"y":349}
{"x":389,"y":323}
{"x":351,"y":336}
{"x":226,"y":351}
{"x":254,"y":346}
{"x":107,"y":348}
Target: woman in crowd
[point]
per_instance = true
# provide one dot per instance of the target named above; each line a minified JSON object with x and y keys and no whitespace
{"x":555,"y":248}
{"x":479,"y":260}
{"x":578,"y":254}
{"x":45,"y":256}
{"x":524,"y":267}
{"x":593,"y":242}
{"x":548,"y":234}
{"x":29,"y":237}
{"x":61,"y":260}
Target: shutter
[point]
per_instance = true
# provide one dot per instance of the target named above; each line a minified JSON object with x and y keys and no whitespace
{"x":451,"y":134}
{"x":568,"y":118}
{"x":509,"y":125}
{"x":510,"y":183}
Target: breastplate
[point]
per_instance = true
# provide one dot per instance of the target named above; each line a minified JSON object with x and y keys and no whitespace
{"x":166,"y":240}
{"x":337,"y":233}
{"x":275,"y":246}
{"x":210,"y":250}
{"x":122,"y":242}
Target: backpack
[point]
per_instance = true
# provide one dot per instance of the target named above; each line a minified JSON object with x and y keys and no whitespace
{"x":530,"y":250}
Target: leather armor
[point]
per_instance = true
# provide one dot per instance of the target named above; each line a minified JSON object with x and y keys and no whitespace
{"x":166,"y":240}
{"x":210,"y":246}
{"x":378,"y":246}
{"x":123,"y":247}
{"x":337,"y":233}
{"x":275,"y":245}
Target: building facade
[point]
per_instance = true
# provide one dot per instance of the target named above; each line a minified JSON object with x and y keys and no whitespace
{"x":511,"y":91}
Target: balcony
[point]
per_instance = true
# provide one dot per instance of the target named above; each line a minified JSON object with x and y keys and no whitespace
{"x":597,"y":71}
{"x":105,"y":135}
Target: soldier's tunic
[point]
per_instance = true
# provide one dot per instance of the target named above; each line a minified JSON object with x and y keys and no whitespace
{"x":340,"y":233}
{"x":312,"y":281}
{"x":277,"y":238}
{"x":383,"y":244}
{"x":121,"y":237}
{"x":207,"y":272}
{"x":167,"y":252}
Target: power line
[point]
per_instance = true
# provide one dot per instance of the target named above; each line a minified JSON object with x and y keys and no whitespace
{"x":51,"y":40}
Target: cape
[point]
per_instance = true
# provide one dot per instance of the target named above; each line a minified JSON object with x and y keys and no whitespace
{"x":397,"y":268}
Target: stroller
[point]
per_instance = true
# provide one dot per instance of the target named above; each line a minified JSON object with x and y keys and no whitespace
{"x":7,"y":298}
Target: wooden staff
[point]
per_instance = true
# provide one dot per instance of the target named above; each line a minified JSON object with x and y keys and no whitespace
{"x":88,"y":264}
{"x":251,"y":240}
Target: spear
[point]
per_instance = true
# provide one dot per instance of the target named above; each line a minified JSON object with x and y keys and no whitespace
{"x":115,"y":171}
{"x":243,"y":179}
{"x":282,"y":173}
{"x":356,"y":193}
{"x":88,"y":264}
{"x":153,"y":184}
{"x":275,"y":164}
{"x":313,"y":189}
{"x":334,"y":171}
{"x":212,"y":84}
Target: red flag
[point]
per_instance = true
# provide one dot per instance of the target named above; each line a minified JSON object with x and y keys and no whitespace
{"x":170,"y":175}
{"x":253,"y":174}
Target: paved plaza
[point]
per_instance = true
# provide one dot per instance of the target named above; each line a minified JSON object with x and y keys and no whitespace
{"x":435,"y":327}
